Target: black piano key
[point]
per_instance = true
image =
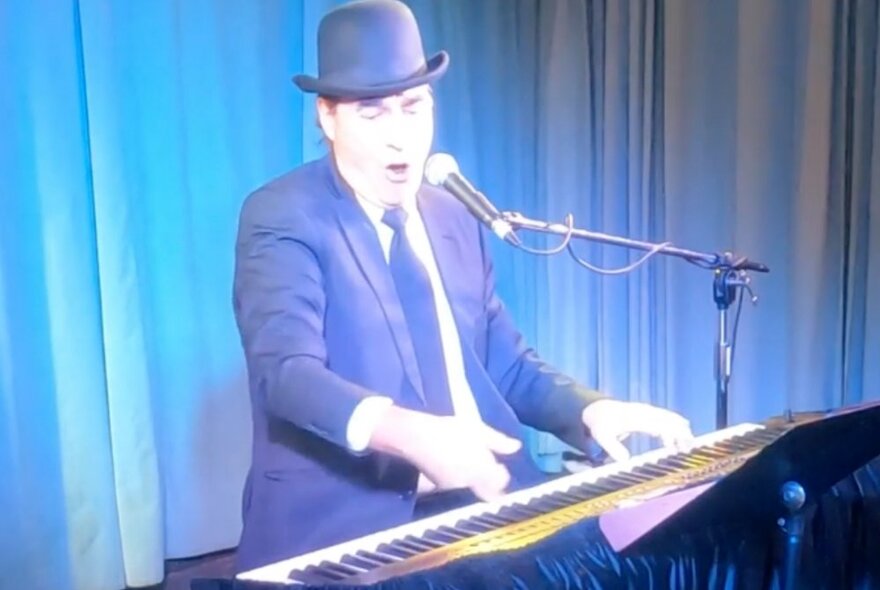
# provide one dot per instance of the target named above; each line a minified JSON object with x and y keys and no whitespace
{"x":744,"y":445}
{"x":762,"y":436}
{"x":671,"y":465}
{"x":651,"y":471}
{"x":527,"y":510}
{"x":626,"y":479}
{"x":592,"y":489}
{"x":339,"y":568}
{"x":426,"y":543}
{"x":681,"y":462}
{"x":609,"y":484}
{"x":309,"y":577}
{"x":540,"y":506}
{"x":414,"y":547}
{"x":546,"y":504}
{"x":677,"y":457}
{"x":469,"y":525}
{"x":403,"y":546}
{"x":561,"y":500}
{"x":740,"y":442}
{"x":696,"y":460}
{"x":381,"y":558}
{"x":454,"y":531}
{"x":601,"y":487}
{"x":395,"y":550}
{"x":579,"y":494}
{"x":569,"y":499}
{"x":640,"y":477}
{"x":614,"y":483}
{"x":736,"y":446}
{"x":325,"y":572}
{"x":511,"y":513}
{"x":725,"y":453}
{"x":361,"y":562}
{"x":441,"y":537}
{"x":492,"y":520}
{"x":757,"y":444}
{"x":645,"y":471}
{"x":752,"y":437}
{"x":321,"y":575}
{"x":518,"y":511}
{"x":711,"y":452}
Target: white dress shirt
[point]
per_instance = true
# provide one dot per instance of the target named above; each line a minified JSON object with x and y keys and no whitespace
{"x":368,"y":412}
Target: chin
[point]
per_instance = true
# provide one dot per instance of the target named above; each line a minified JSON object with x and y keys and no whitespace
{"x":402,"y":191}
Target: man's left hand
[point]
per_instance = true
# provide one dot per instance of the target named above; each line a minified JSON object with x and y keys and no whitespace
{"x":611,"y":421}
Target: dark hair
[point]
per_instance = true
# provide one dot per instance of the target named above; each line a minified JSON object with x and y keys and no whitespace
{"x":332,"y":102}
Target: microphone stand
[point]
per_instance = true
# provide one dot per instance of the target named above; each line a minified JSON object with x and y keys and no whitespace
{"x":730,"y":274}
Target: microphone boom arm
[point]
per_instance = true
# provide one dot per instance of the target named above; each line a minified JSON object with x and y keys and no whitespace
{"x":730,"y":274}
{"x":708,"y":260}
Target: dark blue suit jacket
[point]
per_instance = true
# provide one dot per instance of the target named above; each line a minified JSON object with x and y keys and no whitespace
{"x":322,"y":328}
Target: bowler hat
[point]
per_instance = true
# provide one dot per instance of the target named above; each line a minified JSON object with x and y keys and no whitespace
{"x":368,"y":49}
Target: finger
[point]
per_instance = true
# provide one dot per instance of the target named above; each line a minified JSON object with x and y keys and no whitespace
{"x":491,"y":484}
{"x":498,"y":442}
{"x":615,"y":449}
{"x":670,"y":441}
{"x":677,"y":434}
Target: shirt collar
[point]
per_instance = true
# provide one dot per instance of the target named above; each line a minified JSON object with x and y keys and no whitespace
{"x":375,"y":212}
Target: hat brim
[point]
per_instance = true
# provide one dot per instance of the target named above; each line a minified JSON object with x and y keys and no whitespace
{"x":434,"y":68}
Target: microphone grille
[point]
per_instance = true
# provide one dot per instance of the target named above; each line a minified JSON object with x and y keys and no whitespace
{"x":438,"y":167}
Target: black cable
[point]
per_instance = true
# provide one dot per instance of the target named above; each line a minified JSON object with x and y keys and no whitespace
{"x":739,"y":306}
{"x":618,"y":271}
{"x":569,"y":222}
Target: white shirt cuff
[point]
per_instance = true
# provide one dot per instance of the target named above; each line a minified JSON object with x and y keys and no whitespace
{"x":364,"y":420}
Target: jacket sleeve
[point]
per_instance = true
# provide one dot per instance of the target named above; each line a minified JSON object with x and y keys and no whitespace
{"x":279,"y":304}
{"x":541,"y":396}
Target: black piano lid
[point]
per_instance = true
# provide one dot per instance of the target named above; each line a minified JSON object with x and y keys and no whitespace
{"x":816,"y":454}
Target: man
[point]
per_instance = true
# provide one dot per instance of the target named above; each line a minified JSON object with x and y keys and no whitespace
{"x":383,"y":367}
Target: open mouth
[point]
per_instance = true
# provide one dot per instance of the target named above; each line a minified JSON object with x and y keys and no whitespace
{"x":398,"y":168}
{"x":398,"y":172}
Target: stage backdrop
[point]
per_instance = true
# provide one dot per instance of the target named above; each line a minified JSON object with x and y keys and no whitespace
{"x":132,"y":131}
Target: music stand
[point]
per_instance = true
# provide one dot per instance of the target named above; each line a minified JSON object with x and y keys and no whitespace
{"x":775,"y":485}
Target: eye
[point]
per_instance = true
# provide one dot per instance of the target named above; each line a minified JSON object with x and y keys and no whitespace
{"x":414,"y":107}
{"x":370,"y":113}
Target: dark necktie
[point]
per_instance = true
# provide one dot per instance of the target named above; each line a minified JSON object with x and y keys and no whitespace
{"x":417,"y":299}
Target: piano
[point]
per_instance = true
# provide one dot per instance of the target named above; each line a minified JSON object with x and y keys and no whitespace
{"x":521,"y":518}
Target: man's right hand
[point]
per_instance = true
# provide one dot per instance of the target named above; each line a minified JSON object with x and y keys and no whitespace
{"x":451,"y":452}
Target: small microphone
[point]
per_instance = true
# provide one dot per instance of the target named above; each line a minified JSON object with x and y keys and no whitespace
{"x":442,"y":170}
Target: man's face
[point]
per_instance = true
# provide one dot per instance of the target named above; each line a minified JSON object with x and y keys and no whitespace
{"x":380,"y":145}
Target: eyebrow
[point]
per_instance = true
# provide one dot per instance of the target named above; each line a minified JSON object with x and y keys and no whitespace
{"x":368,"y":103}
{"x":411,"y":100}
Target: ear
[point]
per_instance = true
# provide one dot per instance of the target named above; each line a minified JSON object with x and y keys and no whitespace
{"x":326,"y":118}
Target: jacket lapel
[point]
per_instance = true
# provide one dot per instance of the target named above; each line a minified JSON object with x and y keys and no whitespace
{"x":447,"y":243}
{"x":441,"y":234}
{"x":364,"y":245}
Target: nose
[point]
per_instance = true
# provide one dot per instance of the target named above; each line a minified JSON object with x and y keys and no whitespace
{"x":396,"y":130}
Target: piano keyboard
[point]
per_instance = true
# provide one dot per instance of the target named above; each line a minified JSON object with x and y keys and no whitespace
{"x":519,"y":518}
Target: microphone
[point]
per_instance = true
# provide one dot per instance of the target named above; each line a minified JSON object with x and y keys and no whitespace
{"x":442,"y":170}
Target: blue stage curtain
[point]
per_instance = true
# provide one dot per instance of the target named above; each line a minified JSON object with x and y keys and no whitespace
{"x":131,"y":133}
